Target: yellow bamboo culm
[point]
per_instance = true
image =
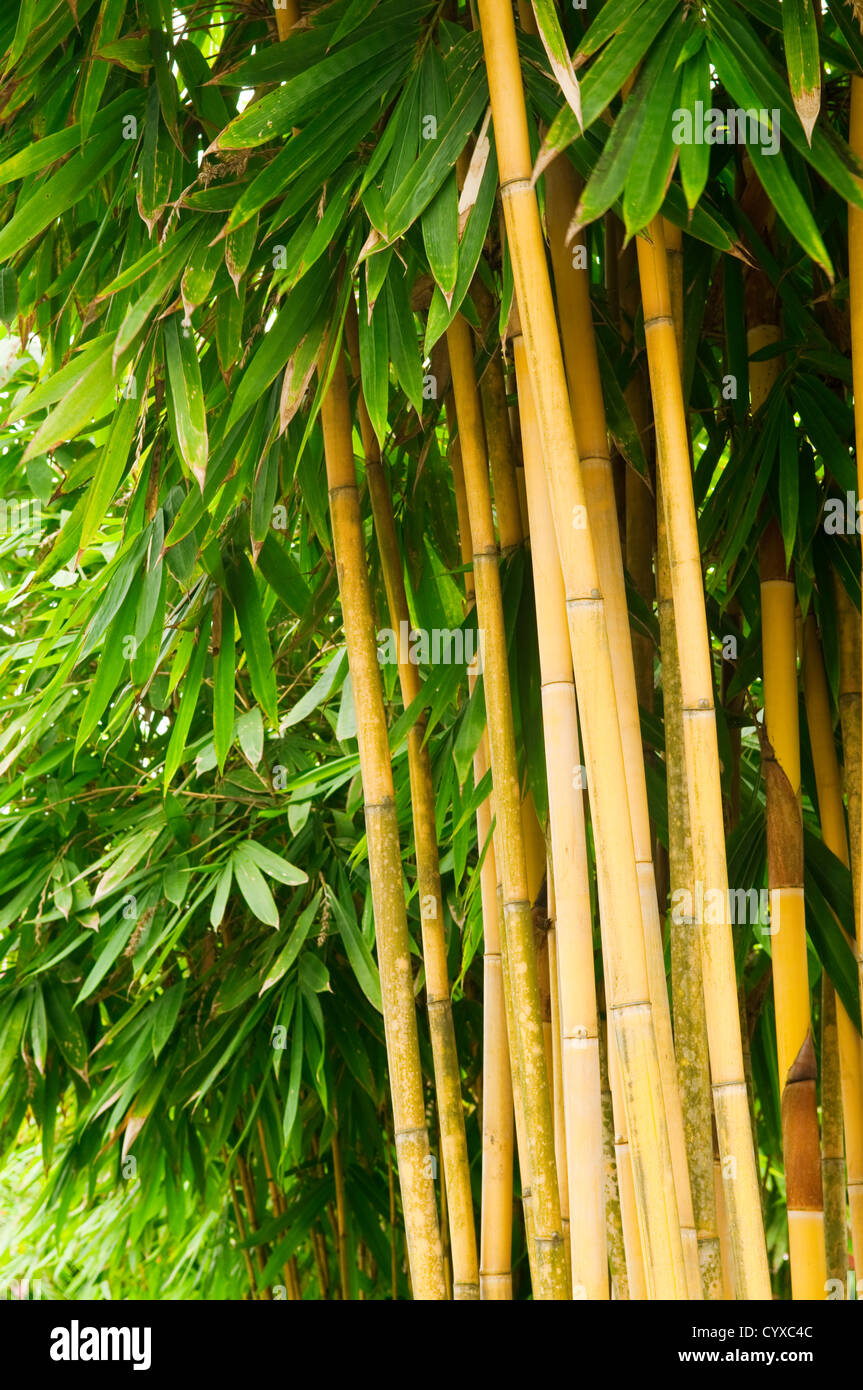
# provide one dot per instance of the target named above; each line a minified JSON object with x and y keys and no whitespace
{"x":588,"y":413}
{"x":690,"y":1020}
{"x":287,"y":14}
{"x":831,"y":811}
{"x":425,"y":1256}
{"x":447,"y":1077}
{"x":498,"y":1089}
{"x":629,"y":997}
{"x":527,"y":1048}
{"x":801,"y":1145}
{"x":730,"y":1100}
{"x":791,"y":993}
{"x":582,"y":1099}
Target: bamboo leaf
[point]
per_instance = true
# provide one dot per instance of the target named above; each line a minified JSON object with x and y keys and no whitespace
{"x":187,"y":395}
{"x":253,"y":630}
{"x":800,"y":33}
{"x":554,"y":44}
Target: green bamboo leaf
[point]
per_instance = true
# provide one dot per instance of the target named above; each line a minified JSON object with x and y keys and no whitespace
{"x":281,"y":340}
{"x":11,"y":1034}
{"x":223,"y":686}
{"x":91,"y":398}
{"x":789,"y":483}
{"x":792,"y":207}
{"x":129,"y":854}
{"x":440,"y":219}
{"x":403,"y":344}
{"x":302,"y":95}
{"x":253,"y":630}
{"x":554,"y":44}
{"x":8,"y":295}
{"x":220,"y":898}
{"x":694,"y":154}
{"x":374,"y":360}
{"x":440,"y":316}
{"x":800,"y":33}
{"x":239,"y":246}
{"x":187,"y":395}
{"x":322,"y":687}
{"x":66,"y":1026}
{"x":656,"y":151}
{"x":114,"y":655}
{"x":292,"y":1101}
{"x":283,"y":576}
{"x":253,"y":887}
{"x":426,"y":175}
{"x":286,"y":957}
{"x":54,"y":196}
{"x":188,"y":702}
{"x":165,"y":1013}
{"x":199,"y":274}
{"x":359,"y":955}
{"x":39,"y":1030}
{"x":252,"y":851}
{"x":156,"y":167}
{"x":106,"y":957}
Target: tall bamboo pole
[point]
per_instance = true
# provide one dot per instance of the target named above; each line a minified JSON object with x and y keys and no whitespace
{"x":287,"y":14}
{"x":574,"y":932}
{"x":527,"y":1049}
{"x":730,"y":1101}
{"x":391,"y":931}
{"x":690,"y":1020}
{"x":629,"y":999}
{"x":447,"y":1076}
{"x":832,"y":814}
{"x":791,"y":992}
{"x":588,"y":414}
{"x":498,"y":1084}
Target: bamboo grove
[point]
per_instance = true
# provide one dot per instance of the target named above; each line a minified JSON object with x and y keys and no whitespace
{"x":430,"y":664}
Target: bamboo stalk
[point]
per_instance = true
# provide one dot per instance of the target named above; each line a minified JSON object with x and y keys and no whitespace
{"x":629,"y":998}
{"x":848,"y":1043}
{"x":394,"y":960}
{"x":341,"y":1218}
{"x":447,"y":1076}
{"x":832,"y":1150}
{"x":588,"y":414}
{"x":527,"y":1052}
{"x":582,"y":1098}
{"x":613,"y":1215}
{"x":498,"y":1085}
{"x":287,"y":14}
{"x":690,"y":1020}
{"x":241,"y":1231}
{"x":730,"y":1101}
{"x":796,"y":1052}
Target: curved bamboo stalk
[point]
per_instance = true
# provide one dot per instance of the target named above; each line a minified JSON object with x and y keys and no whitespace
{"x":849,"y":1043}
{"x":447,"y":1076}
{"x":730,"y":1100}
{"x":527,"y":1050}
{"x":574,"y":930}
{"x":391,"y":931}
{"x":629,"y":998}
{"x":588,"y":414}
